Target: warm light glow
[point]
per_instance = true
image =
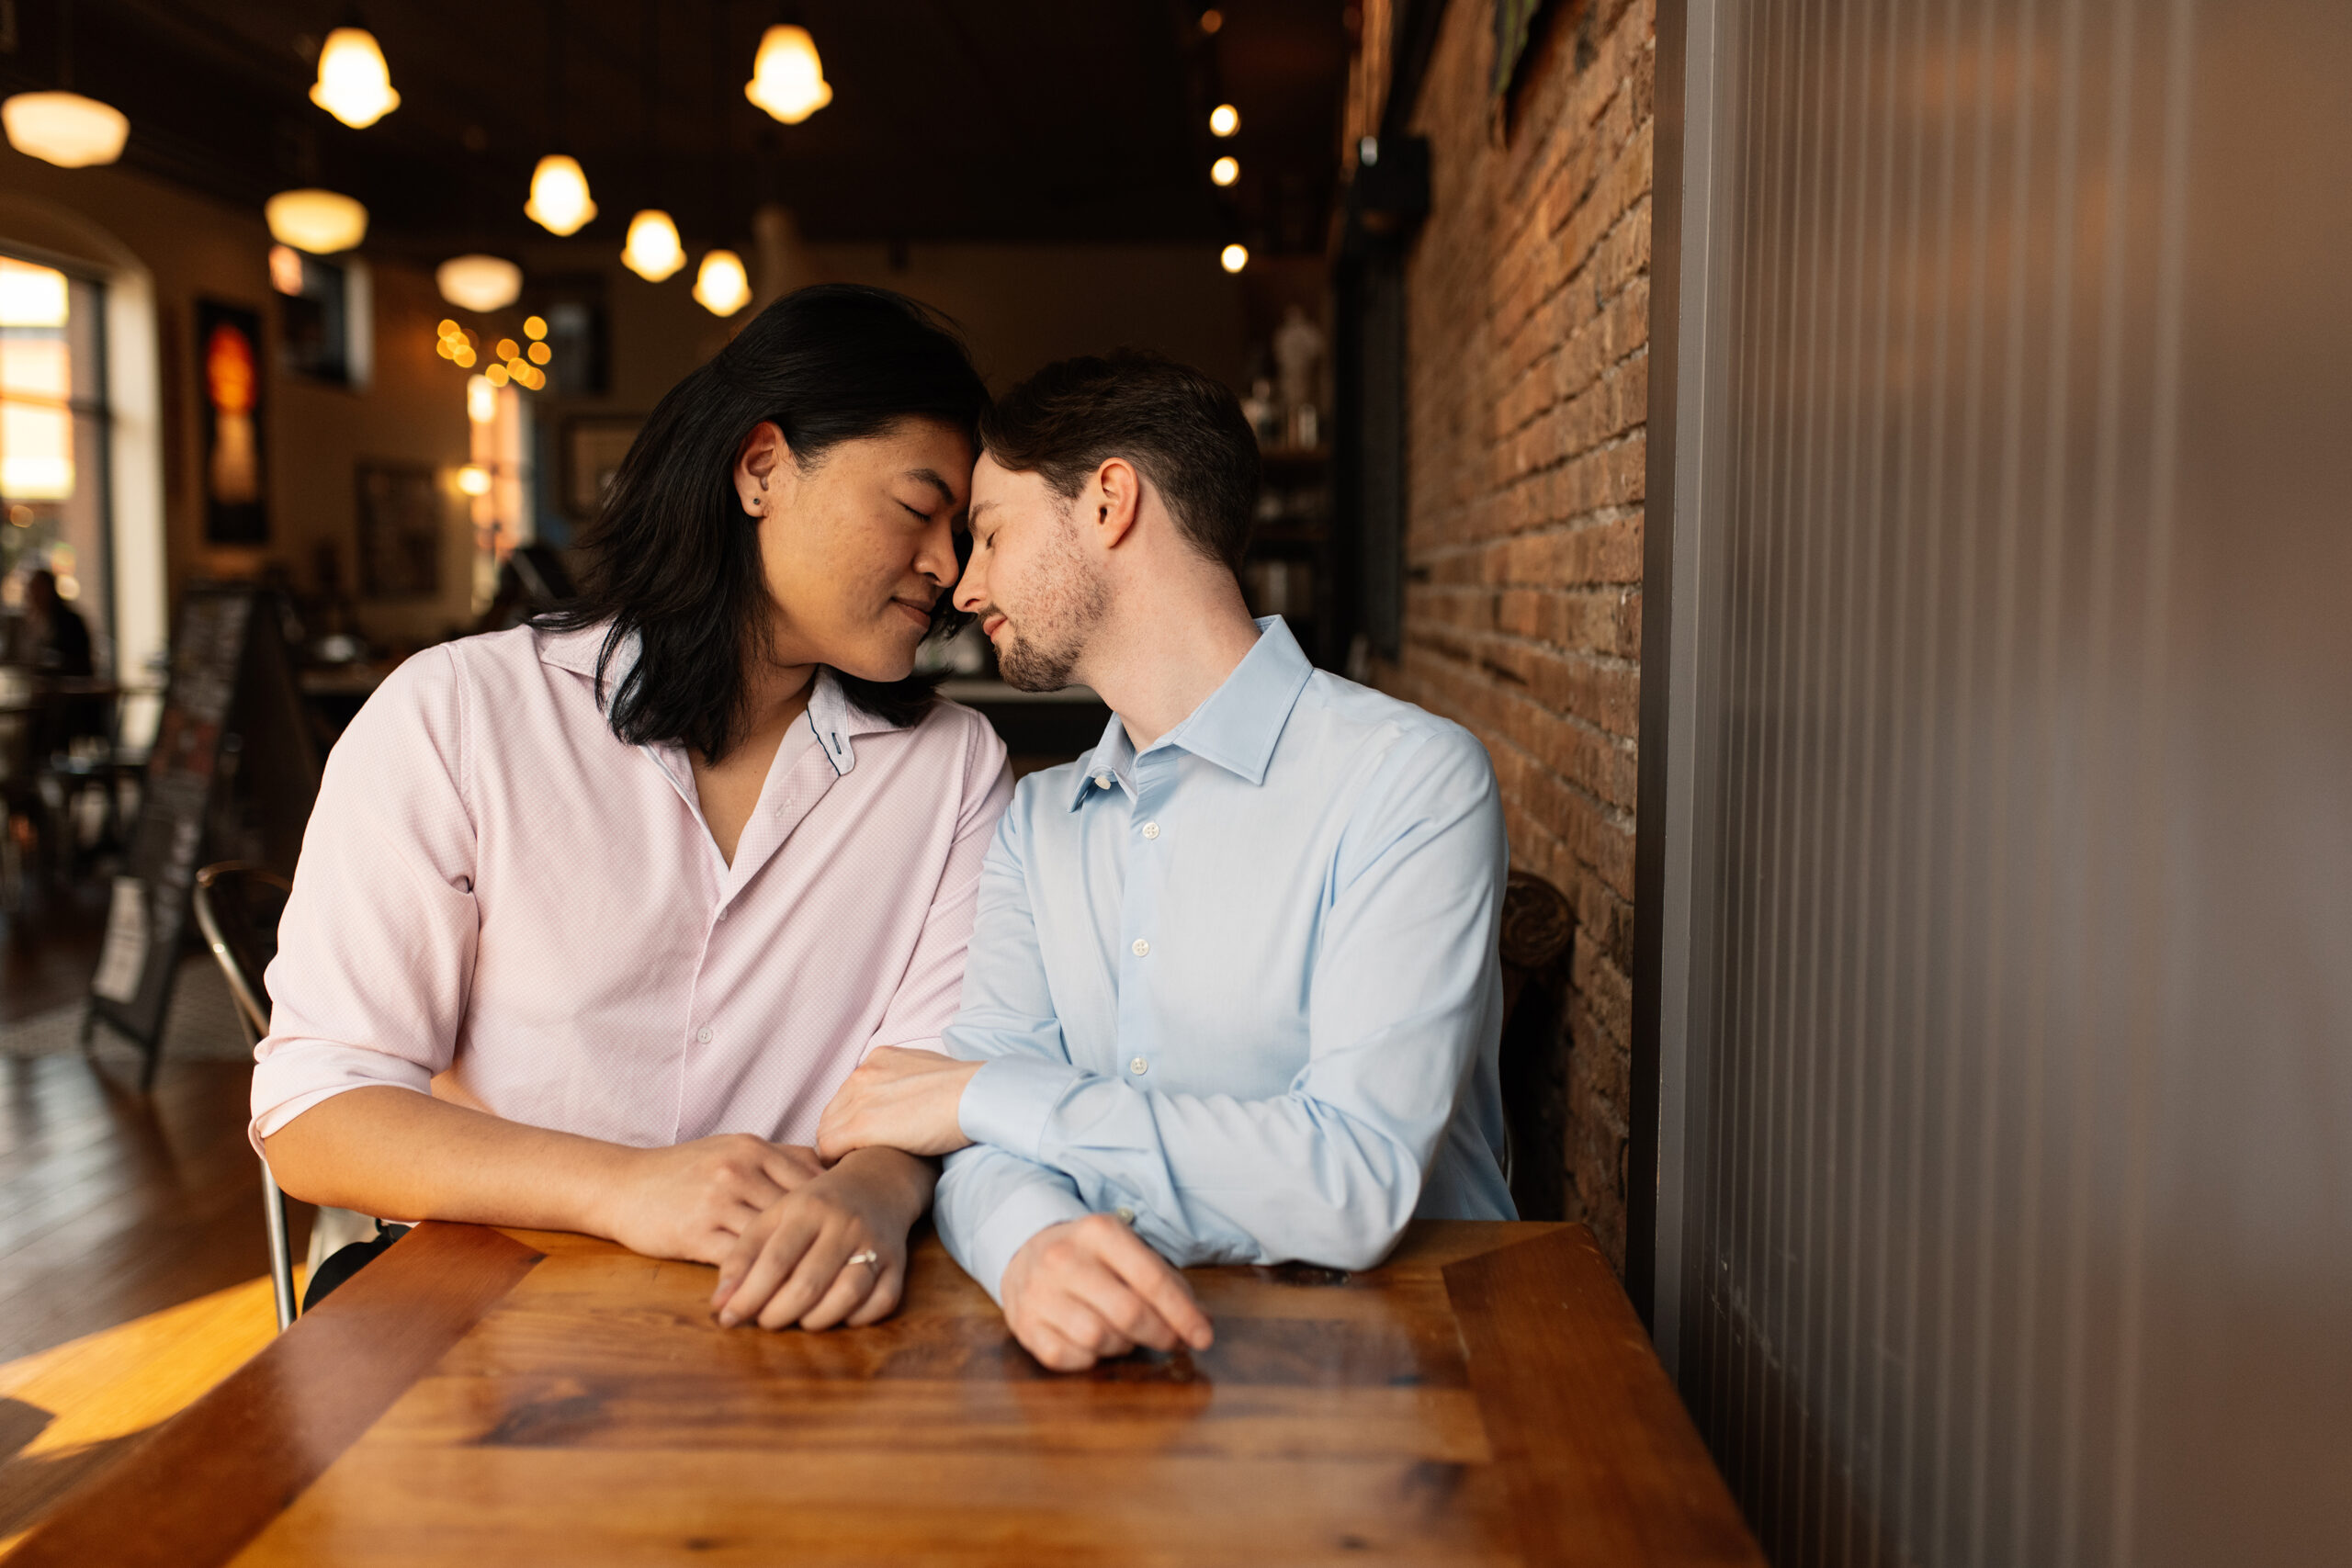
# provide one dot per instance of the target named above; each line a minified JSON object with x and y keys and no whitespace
{"x":787,"y":79}
{"x":285,"y":269}
{"x":720,"y":287}
{"x":474,"y":479}
{"x":1224,"y":120}
{"x":652,"y":252}
{"x":478,"y":283}
{"x":506,"y":349}
{"x":64,"y":128}
{"x":1233,"y":258}
{"x":31,"y":296}
{"x":535,"y":327}
{"x":540,"y":354}
{"x":464,"y":354}
{"x":446,"y":349}
{"x":531,"y":377}
{"x":448,"y":327}
{"x":560,"y":201}
{"x":1225,"y":171}
{"x":353,"y":84}
{"x":1212,"y":21}
{"x":481,"y":400}
{"x":319,"y":221}
{"x":496,"y":375}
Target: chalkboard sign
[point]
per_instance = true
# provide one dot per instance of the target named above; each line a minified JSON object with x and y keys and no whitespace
{"x":232,"y":776}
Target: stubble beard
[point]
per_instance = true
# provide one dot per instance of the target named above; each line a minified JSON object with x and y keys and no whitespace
{"x":1074,"y":602}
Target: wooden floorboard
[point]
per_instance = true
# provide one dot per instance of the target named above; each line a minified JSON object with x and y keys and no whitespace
{"x":114,"y":1204}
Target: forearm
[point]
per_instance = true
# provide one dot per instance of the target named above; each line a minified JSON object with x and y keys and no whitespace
{"x":401,"y":1155}
{"x":902,"y":1181}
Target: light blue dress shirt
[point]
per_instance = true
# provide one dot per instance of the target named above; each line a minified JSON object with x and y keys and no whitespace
{"x":1240,"y":989}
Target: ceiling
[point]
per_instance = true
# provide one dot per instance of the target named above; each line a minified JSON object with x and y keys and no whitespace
{"x":1064,"y":120}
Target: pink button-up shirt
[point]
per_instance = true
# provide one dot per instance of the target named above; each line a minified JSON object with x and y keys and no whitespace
{"x":501,"y":902}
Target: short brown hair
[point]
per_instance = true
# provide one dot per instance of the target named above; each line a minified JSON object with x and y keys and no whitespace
{"x":1183,"y":431}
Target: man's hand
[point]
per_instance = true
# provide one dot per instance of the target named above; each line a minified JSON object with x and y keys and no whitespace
{"x":691,"y":1201}
{"x":898,"y":1098}
{"x":1088,"y":1289}
{"x":792,"y":1263}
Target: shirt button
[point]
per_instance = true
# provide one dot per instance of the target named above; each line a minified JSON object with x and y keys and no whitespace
{"x":1142,"y":948}
{"x":1102,"y":781}
{"x":1138,"y":1067}
{"x":1126,"y":1215}
{"x":1151,"y":830}
{"x":702,"y":1036}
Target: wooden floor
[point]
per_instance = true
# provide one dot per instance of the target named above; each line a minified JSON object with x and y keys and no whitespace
{"x":114,"y":1204}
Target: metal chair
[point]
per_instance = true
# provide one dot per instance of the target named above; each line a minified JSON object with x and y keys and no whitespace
{"x":229,"y":900}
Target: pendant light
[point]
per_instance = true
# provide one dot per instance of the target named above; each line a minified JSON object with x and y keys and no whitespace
{"x":721,"y":287}
{"x":319,"y":221}
{"x":652,"y":252}
{"x":61,"y":127}
{"x":478,"y":282}
{"x":560,"y":201}
{"x":354,"y":83}
{"x":787,"y":79}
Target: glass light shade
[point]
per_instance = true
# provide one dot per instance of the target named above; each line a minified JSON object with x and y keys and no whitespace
{"x":1233,"y":258}
{"x":319,"y":221}
{"x":1224,"y":120}
{"x":64,"y":128}
{"x":354,"y":85}
{"x":787,"y":79}
{"x":560,"y":201}
{"x":478,"y":283}
{"x":721,"y":287}
{"x":1225,"y":171}
{"x":652,"y":252}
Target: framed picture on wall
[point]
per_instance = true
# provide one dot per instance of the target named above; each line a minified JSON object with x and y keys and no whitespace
{"x":594,"y":446}
{"x":402,"y":517}
{"x":229,"y":396}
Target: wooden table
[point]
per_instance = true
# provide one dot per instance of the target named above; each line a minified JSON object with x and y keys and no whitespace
{"x":489,"y":1397}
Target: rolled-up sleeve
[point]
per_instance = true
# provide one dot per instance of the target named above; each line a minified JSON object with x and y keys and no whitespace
{"x":376,"y":948}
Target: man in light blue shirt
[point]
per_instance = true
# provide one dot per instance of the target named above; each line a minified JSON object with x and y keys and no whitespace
{"x":1232,"y":994}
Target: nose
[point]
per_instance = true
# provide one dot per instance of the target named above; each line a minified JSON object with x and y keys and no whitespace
{"x":935,"y":557}
{"x":972,"y":590}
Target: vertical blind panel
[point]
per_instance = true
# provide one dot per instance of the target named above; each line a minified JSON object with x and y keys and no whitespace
{"x":1963,"y":842}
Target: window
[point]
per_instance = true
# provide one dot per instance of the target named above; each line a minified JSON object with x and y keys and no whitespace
{"x":53,"y":440}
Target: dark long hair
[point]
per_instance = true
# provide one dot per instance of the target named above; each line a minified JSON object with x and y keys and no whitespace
{"x":673,"y":557}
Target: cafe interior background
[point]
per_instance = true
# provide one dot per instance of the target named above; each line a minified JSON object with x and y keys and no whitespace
{"x":1856,"y":467}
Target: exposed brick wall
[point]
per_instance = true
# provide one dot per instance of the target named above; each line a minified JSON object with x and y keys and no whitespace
{"x":1528,"y":379}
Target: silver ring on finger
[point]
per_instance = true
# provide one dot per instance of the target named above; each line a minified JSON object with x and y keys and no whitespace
{"x":869,"y":1257}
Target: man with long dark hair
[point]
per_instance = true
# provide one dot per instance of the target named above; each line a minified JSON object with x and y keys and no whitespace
{"x":1232,"y":993}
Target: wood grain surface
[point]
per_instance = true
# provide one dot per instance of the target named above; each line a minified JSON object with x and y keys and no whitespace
{"x":201,"y":1485}
{"x":591,"y":1412}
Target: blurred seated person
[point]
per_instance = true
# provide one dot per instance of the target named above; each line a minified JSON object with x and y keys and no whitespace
{"x":55,"y":639}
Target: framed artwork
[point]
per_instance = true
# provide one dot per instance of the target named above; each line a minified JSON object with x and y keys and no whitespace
{"x":401,"y":516}
{"x":229,"y":394}
{"x":594,"y":446}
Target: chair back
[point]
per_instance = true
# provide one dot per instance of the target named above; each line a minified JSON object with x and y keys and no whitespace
{"x":1538,"y":925}
{"x":237,"y":907}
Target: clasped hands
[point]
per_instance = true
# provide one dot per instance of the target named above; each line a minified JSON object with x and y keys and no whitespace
{"x":1075,"y":1292}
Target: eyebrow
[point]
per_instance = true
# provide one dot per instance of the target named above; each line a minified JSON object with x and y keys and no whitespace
{"x":978,"y":507}
{"x":930,"y":477}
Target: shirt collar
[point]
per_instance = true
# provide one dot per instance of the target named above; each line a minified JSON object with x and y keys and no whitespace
{"x":1237,"y":727}
{"x":832,"y":717}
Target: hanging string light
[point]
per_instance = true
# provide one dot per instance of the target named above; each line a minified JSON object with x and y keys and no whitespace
{"x":354,"y":85}
{"x":787,"y":79}
{"x":652,"y":251}
{"x":721,"y":286}
{"x":1225,"y":171}
{"x":1224,"y":120}
{"x":1233,"y":258}
{"x":61,"y":127}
